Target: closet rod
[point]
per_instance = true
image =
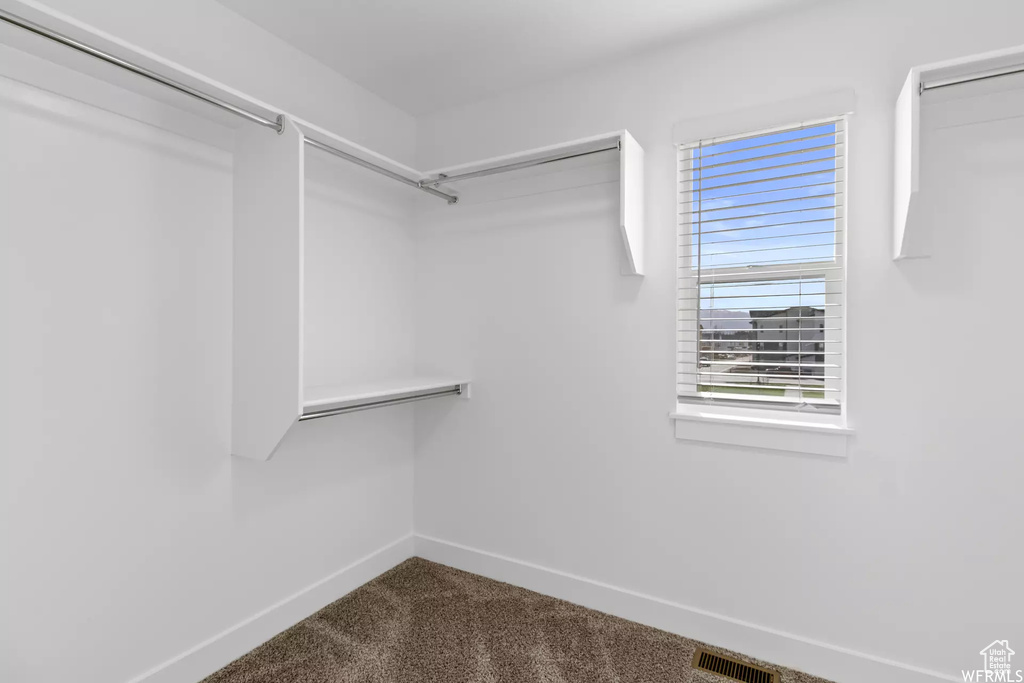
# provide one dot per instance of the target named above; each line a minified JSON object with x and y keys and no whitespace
{"x":135,"y":69}
{"x":452,"y":199}
{"x":356,"y":407}
{"x":444,"y":178}
{"x":996,"y":73}
{"x":276,"y":124}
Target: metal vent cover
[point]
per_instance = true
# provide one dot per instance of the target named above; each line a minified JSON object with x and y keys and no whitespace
{"x":705,"y":660}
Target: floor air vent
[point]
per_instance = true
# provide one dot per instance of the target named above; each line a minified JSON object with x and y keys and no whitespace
{"x":733,"y":668}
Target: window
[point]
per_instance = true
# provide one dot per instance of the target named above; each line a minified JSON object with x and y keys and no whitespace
{"x":762,"y":268}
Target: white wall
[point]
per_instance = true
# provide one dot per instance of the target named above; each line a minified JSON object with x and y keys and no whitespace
{"x":906,"y":550}
{"x":129,"y":534}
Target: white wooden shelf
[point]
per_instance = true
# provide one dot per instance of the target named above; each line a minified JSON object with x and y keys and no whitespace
{"x":267,"y":334}
{"x":269,"y":276}
{"x":910,"y":229}
{"x":631,"y":181}
{"x":321,"y":401}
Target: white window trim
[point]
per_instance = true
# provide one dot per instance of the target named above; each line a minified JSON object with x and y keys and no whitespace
{"x":764,"y":117}
{"x":760,"y":429}
{"x":769,"y":429}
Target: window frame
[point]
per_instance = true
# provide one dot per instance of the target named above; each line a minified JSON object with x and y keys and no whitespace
{"x":690,"y":401}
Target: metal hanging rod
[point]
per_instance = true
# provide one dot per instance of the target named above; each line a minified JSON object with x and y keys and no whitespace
{"x":380,"y":403}
{"x":444,"y":178}
{"x":984,"y":76}
{"x":276,"y":124}
{"x":452,"y":199}
{"x":135,"y":69}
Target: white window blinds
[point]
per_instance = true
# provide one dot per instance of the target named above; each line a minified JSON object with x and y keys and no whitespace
{"x":762,"y":267}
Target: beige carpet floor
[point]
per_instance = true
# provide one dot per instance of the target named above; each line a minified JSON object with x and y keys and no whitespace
{"x":423,"y":622}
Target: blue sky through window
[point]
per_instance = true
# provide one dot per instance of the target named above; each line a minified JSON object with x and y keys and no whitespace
{"x":767,"y":200}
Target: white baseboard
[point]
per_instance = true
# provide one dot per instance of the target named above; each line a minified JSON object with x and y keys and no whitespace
{"x":821,"y":659}
{"x":786,"y":649}
{"x":212,"y":654}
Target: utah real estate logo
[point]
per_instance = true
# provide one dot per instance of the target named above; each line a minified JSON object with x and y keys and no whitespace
{"x":998,"y":666}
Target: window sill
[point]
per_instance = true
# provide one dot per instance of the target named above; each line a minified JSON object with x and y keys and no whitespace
{"x":762,"y":430}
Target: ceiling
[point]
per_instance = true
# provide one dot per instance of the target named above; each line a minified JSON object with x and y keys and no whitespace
{"x":426,"y":55}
